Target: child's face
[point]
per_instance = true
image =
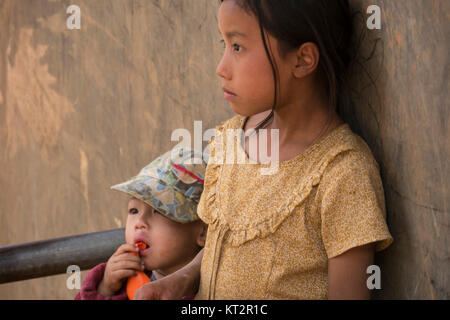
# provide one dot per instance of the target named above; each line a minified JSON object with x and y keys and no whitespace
{"x":245,"y":68}
{"x":171,"y":245}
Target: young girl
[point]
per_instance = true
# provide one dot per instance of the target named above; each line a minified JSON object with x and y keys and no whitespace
{"x":310,"y":229}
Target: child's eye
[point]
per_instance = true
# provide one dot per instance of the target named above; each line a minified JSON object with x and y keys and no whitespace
{"x":237,"y":47}
{"x":133,"y":211}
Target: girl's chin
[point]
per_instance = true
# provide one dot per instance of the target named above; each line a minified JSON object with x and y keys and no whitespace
{"x":246,"y":112}
{"x":241,"y":111}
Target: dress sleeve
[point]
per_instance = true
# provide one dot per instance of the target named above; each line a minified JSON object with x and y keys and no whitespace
{"x":90,"y":283}
{"x":352,"y":204}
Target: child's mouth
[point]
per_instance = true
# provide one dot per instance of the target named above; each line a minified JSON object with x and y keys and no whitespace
{"x":143,"y":247}
{"x":227,"y":94}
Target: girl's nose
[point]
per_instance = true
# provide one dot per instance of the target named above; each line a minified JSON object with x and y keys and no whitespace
{"x":223,"y":70}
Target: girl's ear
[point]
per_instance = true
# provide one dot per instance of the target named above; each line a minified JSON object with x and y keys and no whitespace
{"x":201,"y":235}
{"x":307,"y":60}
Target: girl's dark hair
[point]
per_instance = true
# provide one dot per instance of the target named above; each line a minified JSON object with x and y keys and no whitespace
{"x":327,"y":23}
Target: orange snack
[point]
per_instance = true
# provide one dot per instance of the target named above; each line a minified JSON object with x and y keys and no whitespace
{"x":135,"y":282}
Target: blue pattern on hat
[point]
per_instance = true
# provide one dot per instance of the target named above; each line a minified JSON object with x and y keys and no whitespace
{"x":190,"y":191}
{"x":171,"y":207}
{"x":161,"y":173}
{"x":160,"y":187}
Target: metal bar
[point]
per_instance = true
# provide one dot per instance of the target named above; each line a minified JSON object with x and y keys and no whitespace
{"x":50,"y":257}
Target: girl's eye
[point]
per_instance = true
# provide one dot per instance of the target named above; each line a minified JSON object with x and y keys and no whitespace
{"x":236,"y":47}
{"x":133,"y":211}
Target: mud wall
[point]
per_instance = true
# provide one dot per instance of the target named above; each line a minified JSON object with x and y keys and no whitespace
{"x":400,"y":95}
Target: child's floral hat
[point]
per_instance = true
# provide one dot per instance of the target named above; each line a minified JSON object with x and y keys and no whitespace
{"x":172,"y":184}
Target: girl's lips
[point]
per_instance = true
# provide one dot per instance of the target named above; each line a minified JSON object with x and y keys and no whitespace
{"x":229,"y":95}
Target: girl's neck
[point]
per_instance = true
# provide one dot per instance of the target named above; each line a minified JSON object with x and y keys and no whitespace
{"x":294,"y":136}
{"x":304,"y":123}
{"x":302,"y":119}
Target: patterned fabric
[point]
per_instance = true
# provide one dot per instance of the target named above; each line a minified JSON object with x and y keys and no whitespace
{"x":270,"y":236}
{"x":172,"y":184}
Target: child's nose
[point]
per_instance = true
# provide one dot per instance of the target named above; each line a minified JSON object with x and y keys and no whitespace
{"x":222,"y":69}
{"x":141,"y":223}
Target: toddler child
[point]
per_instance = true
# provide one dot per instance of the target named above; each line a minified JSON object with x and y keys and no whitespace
{"x":162,"y":213}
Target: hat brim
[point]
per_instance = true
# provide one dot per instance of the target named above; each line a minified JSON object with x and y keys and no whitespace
{"x":168,"y":201}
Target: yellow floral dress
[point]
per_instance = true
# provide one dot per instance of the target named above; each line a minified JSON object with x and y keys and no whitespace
{"x":270,"y":236}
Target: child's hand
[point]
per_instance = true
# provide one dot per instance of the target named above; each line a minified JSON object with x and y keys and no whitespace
{"x":119,"y":267}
